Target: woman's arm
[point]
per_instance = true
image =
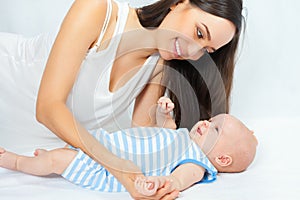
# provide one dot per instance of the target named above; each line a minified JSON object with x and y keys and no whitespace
{"x":79,"y":30}
{"x":146,"y":103}
{"x":77,"y":34}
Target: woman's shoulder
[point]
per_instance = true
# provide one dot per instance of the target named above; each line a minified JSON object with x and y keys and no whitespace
{"x":86,"y":16}
{"x":91,"y":6}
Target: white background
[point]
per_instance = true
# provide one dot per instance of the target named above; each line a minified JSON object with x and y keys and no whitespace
{"x":268,"y":69}
{"x":267,"y":75}
{"x":266,"y":92}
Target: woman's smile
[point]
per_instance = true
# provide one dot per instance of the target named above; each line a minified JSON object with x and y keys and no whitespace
{"x":177,"y":48}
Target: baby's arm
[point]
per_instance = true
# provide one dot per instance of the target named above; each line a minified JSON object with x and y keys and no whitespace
{"x":163,"y":117}
{"x":181,"y":178}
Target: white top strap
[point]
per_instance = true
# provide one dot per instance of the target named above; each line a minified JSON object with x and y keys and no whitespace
{"x":105,"y":24}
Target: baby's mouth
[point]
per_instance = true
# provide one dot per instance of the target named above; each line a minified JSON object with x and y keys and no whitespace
{"x":199,"y":131}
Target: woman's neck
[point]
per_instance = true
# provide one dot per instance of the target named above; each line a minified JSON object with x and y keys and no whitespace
{"x":136,"y":38}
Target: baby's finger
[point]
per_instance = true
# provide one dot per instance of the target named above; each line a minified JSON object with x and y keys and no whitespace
{"x":161,"y":99}
{"x":170,"y":106}
{"x":164,"y":99}
{"x":163,"y":106}
{"x":165,"y":189}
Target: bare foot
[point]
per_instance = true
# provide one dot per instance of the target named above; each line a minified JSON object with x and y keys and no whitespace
{"x":8,"y":159}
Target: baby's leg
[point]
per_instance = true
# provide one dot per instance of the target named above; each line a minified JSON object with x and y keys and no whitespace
{"x":43,"y":163}
{"x":7,"y":159}
{"x":149,"y":185}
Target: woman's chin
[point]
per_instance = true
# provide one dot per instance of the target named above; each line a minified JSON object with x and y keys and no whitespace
{"x":167,"y":55}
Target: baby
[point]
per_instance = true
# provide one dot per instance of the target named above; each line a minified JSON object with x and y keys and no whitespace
{"x":183,"y":158}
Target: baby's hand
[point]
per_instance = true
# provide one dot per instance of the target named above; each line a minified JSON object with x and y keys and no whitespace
{"x":163,"y":115}
{"x":148,"y":186}
{"x":165,"y":105}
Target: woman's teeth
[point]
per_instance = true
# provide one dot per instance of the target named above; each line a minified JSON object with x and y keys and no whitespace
{"x":177,"y":47}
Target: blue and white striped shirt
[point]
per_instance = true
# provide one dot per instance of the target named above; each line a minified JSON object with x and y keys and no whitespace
{"x":157,"y":151}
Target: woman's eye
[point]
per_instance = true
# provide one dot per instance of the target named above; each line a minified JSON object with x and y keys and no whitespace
{"x":199,"y":33}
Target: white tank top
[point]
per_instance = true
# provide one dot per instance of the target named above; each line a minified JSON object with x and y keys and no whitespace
{"x":90,"y":100}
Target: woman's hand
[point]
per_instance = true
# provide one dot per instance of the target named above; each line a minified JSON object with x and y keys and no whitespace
{"x":127,"y":172}
{"x":163,"y":193}
{"x":149,"y":185}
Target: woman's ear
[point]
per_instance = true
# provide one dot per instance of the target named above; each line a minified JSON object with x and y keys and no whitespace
{"x":181,"y":1}
{"x":223,"y":160}
{"x":173,"y":6}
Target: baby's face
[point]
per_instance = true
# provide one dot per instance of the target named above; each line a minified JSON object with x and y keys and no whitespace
{"x":221,"y":133}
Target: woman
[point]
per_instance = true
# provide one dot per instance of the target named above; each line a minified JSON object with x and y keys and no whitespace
{"x":105,"y":54}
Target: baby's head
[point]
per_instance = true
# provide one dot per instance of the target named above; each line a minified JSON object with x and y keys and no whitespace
{"x":226,"y":141}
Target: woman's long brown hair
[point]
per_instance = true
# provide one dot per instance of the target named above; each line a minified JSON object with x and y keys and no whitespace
{"x":194,"y":86}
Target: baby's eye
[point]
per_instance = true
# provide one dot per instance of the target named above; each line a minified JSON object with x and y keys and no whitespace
{"x":199,"y":33}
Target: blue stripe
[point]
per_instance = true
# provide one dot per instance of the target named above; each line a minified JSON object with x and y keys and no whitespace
{"x":166,"y":148}
{"x":134,"y":159}
{"x":142,"y":146}
{"x":173,"y":144}
{"x":88,"y":172}
{"x":108,"y":142}
{"x":180,"y":148}
{"x":91,"y":181}
{"x":125,"y":143}
{"x":186,"y":146}
{"x":75,"y":165}
{"x":194,"y":151}
{"x":158,"y":152}
{"x":79,"y":172}
{"x":68,"y":176}
{"x":119,"y":186}
{"x":150,"y":147}
{"x":104,"y":176}
{"x":111,"y":183}
{"x":117,"y":145}
{"x":96,"y":180}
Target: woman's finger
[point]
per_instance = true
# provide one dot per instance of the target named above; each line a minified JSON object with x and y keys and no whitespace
{"x":164,"y":190}
{"x":173,"y":195}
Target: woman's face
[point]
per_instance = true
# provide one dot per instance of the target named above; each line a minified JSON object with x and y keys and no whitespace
{"x":187,"y":32}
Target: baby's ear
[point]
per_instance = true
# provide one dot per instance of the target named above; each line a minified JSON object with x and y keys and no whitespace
{"x":252,"y":132}
{"x":223,"y":160}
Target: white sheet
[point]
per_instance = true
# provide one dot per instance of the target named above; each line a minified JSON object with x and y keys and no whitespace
{"x":274,"y":174}
{"x":266,"y":84}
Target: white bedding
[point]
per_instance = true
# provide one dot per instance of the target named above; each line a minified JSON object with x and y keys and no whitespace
{"x":266,"y":85}
{"x":274,"y":174}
